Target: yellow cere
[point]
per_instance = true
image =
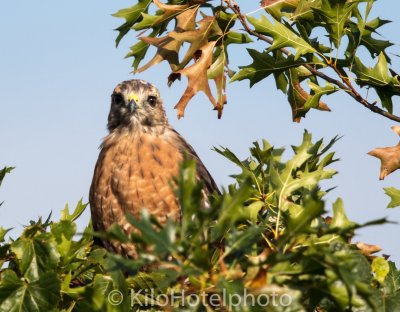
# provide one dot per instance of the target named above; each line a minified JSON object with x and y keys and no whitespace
{"x":134,"y":97}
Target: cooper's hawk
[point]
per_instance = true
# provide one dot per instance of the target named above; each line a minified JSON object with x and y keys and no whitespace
{"x":138,"y":161}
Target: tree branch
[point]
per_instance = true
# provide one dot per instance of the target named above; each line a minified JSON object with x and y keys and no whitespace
{"x":345,"y":85}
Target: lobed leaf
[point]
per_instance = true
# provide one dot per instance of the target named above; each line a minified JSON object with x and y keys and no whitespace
{"x":264,"y":65}
{"x":3,"y":173}
{"x":131,"y":16}
{"x":378,"y":78}
{"x":335,"y":16}
{"x":22,"y":296}
{"x":282,"y":35}
{"x":36,"y":255}
{"x":394,"y":195}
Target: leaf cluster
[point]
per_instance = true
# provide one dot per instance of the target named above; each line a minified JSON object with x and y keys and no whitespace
{"x":311,"y":48}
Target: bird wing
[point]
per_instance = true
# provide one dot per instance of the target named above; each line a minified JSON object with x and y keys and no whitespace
{"x":202,"y":173}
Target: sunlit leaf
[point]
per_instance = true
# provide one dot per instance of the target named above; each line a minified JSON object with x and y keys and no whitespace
{"x":36,"y":256}
{"x":264,"y":64}
{"x":381,"y":269}
{"x":394,"y":195}
{"x":390,"y":161}
{"x":378,"y":78}
{"x":335,"y":15}
{"x":131,"y":16}
{"x":197,"y":78}
{"x":283,"y":36}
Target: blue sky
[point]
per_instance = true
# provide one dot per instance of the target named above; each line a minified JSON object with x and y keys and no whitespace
{"x":59,"y":65}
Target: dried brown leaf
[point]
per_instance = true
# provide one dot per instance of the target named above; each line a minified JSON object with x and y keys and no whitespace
{"x":186,"y":20}
{"x":197,"y":38}
{"x":167,"y":50}
{"x":197,"y":78}
{"x":168,"y":47}
{"x":259,"y":281}
{"x":396,"y":129}
{"x":284,"y":3}
{"x":368,"y":249}
{"x":390,"y":159}
{"x":265,"y":3}
{"x":168,"y":10}
{"x":389,"y":156}
{"x":297,"y":98}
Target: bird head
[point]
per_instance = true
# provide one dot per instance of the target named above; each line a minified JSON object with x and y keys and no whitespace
{"x":136,"y":105}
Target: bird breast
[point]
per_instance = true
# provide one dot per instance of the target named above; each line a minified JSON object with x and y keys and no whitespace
{"x":136,"y":172}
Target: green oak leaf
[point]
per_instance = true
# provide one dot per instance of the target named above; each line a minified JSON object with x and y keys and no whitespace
{"x":283,"y":36}
{"x":149,"y":281}
{"x":281,"y":82}
{"x":4,"y":171}
{"x":317,"y":92}
{"x":286,"y":182}
{"x":36,"y":256}
{"x":264,"y":65}
{"x":297,"y":96}
{"x":340,"y":219}
{"x":394,"y":195}
{"x":242,"y":240}
{"x":392,"y":281}
{"x":392,"y":302}
{"x":390,"y":291}
{"x":79,"y":209}
{"x":361,"y":34}
{"x":378,"y":78}
{"x":217,"y":68}
{"x":95,"y":297}
{"x":131,"y":16}
{"x":138,"y":52}
{"x":217,"y":72}
{"x":18,"y":295}
{"x":225,"y":20}
{"x":281,"y":8}
{"x":374,"y":46}
{"x":334,"y":16}
{"x":232,"y":210}
{"x":227,"y":153}
{"x":161,"y":240}
{"x":3,"y":233}
{"x":301,"y":222}
{"x":236,"y":37}
{"x":304,"y":13}
{"x":147,"y":21}
{"x":63,"y":232}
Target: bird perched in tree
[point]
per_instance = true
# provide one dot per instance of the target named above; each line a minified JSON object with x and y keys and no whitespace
{"x":137,"y":163}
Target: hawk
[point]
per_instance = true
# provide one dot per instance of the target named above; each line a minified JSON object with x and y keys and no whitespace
{"x":137,"y":163}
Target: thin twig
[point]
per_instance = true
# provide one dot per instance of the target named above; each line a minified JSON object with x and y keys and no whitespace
{"x":345,"y":85}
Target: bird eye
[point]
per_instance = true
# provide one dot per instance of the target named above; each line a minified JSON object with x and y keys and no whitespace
{"x":152,"y":100}
{"x":118,"y":99}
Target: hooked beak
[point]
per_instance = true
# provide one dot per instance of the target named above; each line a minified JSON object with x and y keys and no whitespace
{"x":133,"y":102}
{"x":132,"y":106}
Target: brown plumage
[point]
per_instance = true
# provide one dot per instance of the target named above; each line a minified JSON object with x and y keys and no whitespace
{"x":137,"y":163}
